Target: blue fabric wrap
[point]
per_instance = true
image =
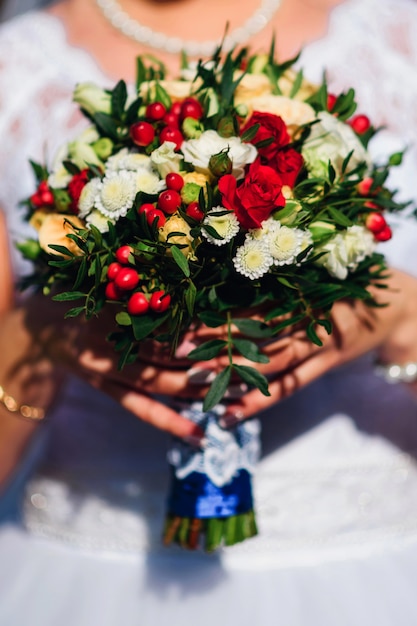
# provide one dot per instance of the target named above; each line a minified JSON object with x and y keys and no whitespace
{"x":196,"y":496}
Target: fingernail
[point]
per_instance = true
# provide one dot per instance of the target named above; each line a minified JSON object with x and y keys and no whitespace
{"x":196,"y":442}
{"x":236,"y":391}
{"x":184,"y":349}
{"x":231,"y":418}
{"x":200,"y":376}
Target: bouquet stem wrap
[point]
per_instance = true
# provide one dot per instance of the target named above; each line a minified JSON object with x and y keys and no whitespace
{"x":210,"y":502}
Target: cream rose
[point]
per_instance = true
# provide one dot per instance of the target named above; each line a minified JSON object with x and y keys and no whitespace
{"x":176,"y":224}
{"x":293,"y":112}
{"x":176,"y":89}
{"x":54,"y":229}
{"x":252,"y":86}
{"x":199,"y":151}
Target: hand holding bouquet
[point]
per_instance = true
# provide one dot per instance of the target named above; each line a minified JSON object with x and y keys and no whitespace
{"x":239,"y":187}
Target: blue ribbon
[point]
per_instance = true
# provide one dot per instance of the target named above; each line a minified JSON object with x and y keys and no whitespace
{"x":196,"y":496}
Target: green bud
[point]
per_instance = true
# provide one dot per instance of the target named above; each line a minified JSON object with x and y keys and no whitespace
{"x":321,"y":230}
{"x":30,"y":249}
{"x":220,"y":163}
{"x":210,"y":102}
{"x":258,"y":63}
{"x":242,"y":110}
{"x":192,"y":128}
{"x":92,"y":98}
{"x":396,"y":159}
{"x":289,"y":214}
{"x":190,"y":193}
{"x":62,"y":200}
{"x":103,"y":148}
{"x":227,"y":127}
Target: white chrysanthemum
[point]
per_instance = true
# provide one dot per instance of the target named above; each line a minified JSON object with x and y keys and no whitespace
{"x":88,"y":197}
{"x":268,"y":226}
{"x":125,"y":160}
{"x":226,"y":225}
{"x":100,"y":221}
{"x":118,"y":191}
{"x":148,"y":182}
{"x":253,"y":259}
{"x":285,"y":244}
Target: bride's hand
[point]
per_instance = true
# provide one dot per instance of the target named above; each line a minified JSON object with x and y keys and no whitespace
{"x":295,"y":361}
{"x":38,"y":345}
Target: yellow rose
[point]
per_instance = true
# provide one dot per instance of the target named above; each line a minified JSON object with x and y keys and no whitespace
{"x":286,"y":82}
{"x":54,"y":229}
{"x":252,"y":86}
{"x":196,"y":177}
{"x":176,"y":224}
{"x":176,"y":89}
{"x":293,"y":112}
{"x":38,"y":217}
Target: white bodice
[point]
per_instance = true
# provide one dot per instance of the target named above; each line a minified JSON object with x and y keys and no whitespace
{"x":338,"y":470}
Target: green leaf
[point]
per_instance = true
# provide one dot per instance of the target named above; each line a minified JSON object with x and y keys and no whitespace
{"x":312,"y":334}
{"x":217,"y":389}
{"x":71,"y":167}
{"x":162,"y":96}
{"x":106,"y":125}
{"x":250,"y":133}
{"x":118,"y":99}
{"x":253,"y":378}
{"x":61,"y":249}
{"x":144,"y":325}
{"x":339,"y":217}
{"x":81,"y":274}
{"x":212,"y":319}
{"x":67,"y":296}
{"x":180,"y":260}
{"x":74,"y":312}
{"x":123,"y":319}
{"x":250,"y":350}
{"x":252,"y":328}
{"x":207,"y":350}
{"x":190,"y":296}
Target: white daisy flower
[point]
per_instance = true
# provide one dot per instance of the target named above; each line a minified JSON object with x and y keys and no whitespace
{"x":88,"y":197}
{"x":125,"y":160}
{"x":100,"y":221}
{"x":148,"y":182}
{"x":285,"y":244}
{"x":268,"y":226}
{"x":118,"y":191}
{"x":253,"y":259}
{"x":226,"y":225}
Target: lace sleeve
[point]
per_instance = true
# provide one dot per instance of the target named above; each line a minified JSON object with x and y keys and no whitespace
{"x":36,"y":116}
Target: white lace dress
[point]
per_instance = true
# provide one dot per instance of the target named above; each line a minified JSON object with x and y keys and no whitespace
{"x":336,"y":489}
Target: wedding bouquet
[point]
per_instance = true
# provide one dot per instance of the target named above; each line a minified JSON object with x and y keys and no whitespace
{"x":239,"y":195}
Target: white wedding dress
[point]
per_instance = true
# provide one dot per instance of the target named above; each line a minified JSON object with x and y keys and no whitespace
{"x":336,"y":488}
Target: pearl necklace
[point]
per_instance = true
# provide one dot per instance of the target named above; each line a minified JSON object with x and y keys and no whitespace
{"x":114,"y":14}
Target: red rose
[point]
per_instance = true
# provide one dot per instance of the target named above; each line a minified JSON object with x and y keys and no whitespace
{"x":255,"y":199}
{"x":75,"y":187}
{"x":288,"y":163}
{"x":271,"y":126}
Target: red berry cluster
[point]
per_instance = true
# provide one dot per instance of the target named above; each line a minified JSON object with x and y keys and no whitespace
{"x":375,"y":221}
{"x":169,"y":201}
{"x":43,"y":196}
{"x":123,"y":280}
{"x":163,"y":123}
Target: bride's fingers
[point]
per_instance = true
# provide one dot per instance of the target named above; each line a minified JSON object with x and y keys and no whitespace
{"x":281,"y":387}
{"x":151,"y":411}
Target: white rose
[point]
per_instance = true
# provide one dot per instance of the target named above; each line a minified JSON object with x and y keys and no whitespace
{"x":165,"y":159}
{"x":336,"y":258}
{"x":199,"y":151}
{"x":359,"y":243}
{"x":332,"y":140}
